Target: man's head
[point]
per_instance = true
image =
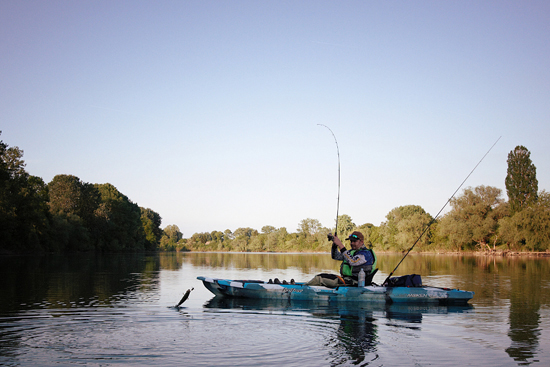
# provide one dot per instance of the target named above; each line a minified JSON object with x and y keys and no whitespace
{"x":356,"y":240}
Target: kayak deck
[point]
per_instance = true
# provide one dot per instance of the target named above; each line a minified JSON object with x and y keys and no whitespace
{"x":257,"y":289}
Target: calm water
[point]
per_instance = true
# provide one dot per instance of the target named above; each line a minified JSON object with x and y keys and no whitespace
{"x":116,"y":310}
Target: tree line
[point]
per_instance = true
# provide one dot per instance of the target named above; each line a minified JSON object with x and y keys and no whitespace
{"x":68,"y":214}
{"x":479,"y":220}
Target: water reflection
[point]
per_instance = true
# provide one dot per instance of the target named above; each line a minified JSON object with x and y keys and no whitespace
{"x":60,"y":298}
{"x":76,"y":280}
{"x":357,"y":339}
{"x":519,"y":285}
{"x":266,"y":261}
{"x":525,"y":283}
{"x":524,"y":316}
{"x":51,"y":302}
{"x":356,"y":336}
{"x":407,"y":312}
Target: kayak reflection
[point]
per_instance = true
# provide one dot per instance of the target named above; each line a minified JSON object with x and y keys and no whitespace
{"x":407,"y":312}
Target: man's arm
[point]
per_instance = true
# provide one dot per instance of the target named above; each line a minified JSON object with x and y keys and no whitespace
{"x":356,"y":260}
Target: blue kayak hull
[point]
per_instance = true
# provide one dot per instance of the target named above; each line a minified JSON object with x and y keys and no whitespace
{"x":300,"y":292}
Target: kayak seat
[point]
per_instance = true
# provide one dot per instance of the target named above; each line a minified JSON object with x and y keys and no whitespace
{"x":368,"y":278}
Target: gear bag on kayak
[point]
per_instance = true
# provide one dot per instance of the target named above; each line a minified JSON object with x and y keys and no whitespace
{"x":412,"y":280}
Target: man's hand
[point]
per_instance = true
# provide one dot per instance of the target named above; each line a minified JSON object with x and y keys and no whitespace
{"x":337,"y":242}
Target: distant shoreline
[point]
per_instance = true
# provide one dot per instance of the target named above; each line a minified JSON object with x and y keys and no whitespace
{"x":455,"y":253}
{"x":474,"y":253}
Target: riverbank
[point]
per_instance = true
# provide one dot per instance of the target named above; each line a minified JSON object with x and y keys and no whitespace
{"x":473,"y":253}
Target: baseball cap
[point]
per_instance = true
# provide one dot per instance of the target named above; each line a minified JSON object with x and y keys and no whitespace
{"x":356,"y":235}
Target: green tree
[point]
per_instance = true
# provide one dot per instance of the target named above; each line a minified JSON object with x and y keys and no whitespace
{"x":70,"y":196}
{"x":245,"y":232}
{"x":151,"y":221}
{"x":33,"y":215}
{"x":79,"y":218}
{"x":217,"y":236}
{"x":473,"y":219}
{"x":403,"y":227}
{"x":65,"y":193}
{"x":243,"y":237}
{"x":172,"y":235}
{"x":268,"y":229}
{"x":529,"y":228}
{"x":228,"y":234}
{"x":24,"y":217}
{"x":370,"y":231}
{"x":257,"y":243}
{"x":218,"y":240}
{"x":67,"y":214}
{"x":320,"y":241}
{"x":345,"y":226}
{"x":309,"y":227}
{"x":273,"y":238}
{"x":197,"y":242}
{"x":521,"y":179}
{"x":307,"y":238}
{"x":173,"y":232}
{"x":120,"y":223}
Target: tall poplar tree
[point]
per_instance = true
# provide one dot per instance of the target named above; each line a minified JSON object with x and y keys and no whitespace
{"x":521,"y":179}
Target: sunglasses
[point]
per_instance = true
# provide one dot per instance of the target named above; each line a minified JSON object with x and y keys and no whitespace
{"x":353,"y":238}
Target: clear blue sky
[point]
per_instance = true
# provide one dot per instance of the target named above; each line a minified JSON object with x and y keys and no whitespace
{"x":207,"y":111}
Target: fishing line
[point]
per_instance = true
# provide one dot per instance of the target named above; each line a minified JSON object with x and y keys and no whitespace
{"x":338,"y":201}
{"x":434,"y":218}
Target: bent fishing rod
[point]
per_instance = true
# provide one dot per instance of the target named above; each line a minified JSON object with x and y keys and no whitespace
{"x":338,"y":200}
{"x":435,"y":218}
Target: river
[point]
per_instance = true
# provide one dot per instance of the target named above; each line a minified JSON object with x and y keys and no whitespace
{"x":105,"y":310}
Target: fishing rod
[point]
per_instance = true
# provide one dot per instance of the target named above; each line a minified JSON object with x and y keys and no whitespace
{"x":435,"y":218}
{"x":338,"y":201}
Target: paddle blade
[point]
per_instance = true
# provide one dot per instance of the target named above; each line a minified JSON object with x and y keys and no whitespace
{"x":185,"y":296}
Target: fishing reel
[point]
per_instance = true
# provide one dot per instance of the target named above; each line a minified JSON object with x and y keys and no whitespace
{"x":330,"y":237}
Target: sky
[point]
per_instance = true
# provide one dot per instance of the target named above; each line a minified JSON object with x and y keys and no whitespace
{"x":208,"y":112}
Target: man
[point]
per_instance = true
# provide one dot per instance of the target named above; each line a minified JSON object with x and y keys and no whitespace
{"x":359,"y":257}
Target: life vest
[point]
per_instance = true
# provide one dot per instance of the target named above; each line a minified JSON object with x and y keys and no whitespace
{"x":353,"y":271}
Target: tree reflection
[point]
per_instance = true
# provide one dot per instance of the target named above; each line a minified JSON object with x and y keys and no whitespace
{"x":307,"y":263}
{"x":83,"y":279}
{"x":524,"y":333}
{"x":524,"y":317}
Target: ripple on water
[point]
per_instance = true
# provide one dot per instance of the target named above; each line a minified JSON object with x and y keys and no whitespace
{"x":163,"y":336}
{"x":244,"y":333}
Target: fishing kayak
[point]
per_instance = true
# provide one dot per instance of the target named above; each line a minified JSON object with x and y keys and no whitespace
{"x":257,"y":289}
